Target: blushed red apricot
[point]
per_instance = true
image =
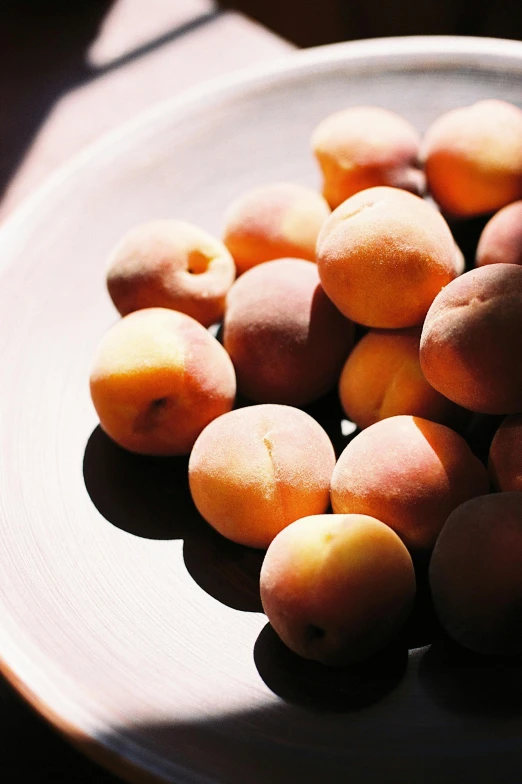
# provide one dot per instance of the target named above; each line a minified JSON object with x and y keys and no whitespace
{"x":382,"y":377}
{"x":363,"y":147}
{"x":383,"y":255}
{"x":501,"y":238}
{"x":337,"y":588}
{"x":171,"y":264}
{"x":255,"y":470}
{"x":505,"y":455}
{"x":475,"y":574}
{"x":473,"y":158}
{"x":158,"y":378}
{"x":471,"y":340}
{"x":272,"y":222}
{"x":410,"y":473}
{"x":286,"y":339}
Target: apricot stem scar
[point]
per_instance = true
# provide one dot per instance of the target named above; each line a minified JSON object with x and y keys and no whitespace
{"x":314,"y":632}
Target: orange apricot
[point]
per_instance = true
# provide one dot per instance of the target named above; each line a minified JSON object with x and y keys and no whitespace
{"x":382,"y":377}
{"x":473,"y":158}
{"x":286,"y":339}
{"x":255,"y":470}
{"x":363,"y":147}
{"x":383,"y":255}
{"x":171,"y":264}
{"x":337,"y":588}
{"x":274,"y":221}
{"x":471,"y":340}
{"x":158,"y":378}
{"x":410,"y":473}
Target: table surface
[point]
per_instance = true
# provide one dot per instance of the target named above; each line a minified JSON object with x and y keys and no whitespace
{"x":68,"y":74}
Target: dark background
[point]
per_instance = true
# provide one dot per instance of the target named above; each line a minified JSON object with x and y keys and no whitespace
{"x":314,"y":22}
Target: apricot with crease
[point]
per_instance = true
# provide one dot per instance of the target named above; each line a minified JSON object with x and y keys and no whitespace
{"x":255,"y":470}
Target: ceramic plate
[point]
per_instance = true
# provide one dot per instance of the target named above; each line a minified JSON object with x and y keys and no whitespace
{"x":124,"y":619}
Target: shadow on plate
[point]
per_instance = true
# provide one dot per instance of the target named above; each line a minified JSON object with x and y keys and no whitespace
{"x":227,"y":571}
{"x":465,"y":682}
{"x":145,"y":496}
{"x":313,"y":685}
{"x":150,"y":497}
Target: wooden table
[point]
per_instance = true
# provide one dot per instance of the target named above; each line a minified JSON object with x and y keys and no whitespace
{"x":68,"y":74}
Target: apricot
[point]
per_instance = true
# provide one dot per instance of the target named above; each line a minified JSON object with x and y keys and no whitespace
{"x":471,"y":340}
{"x":473,"y":158}
{"x":382,"y":377}
{"x":505,"y":455}
{"x":274,"y":221}
{"x":171,"y":264}
{"x":286,"y":339}
{"x":158,"y":378}
{"x":501,"y":238}
{"x":337,"y":588}
{"x":255,"y":470}
{"x":363,"y":147}
{"x":410,"y":473}
{"x":383,"y":255}
{"x":475,"y":574}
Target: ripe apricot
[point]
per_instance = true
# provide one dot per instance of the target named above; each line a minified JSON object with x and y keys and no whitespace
{"x":410,"y":473}
{"x":471,"y":340}
{"x":505,"y":455}
{"x":337,"y":588}
{"x":274,"y":221}
{"x":158,"y":377}
{"x":286,"y":339}
{"x":473,"y":158}
{"x":255,"y":470}
{"x":363,"y":147}
{"x":171,"y":264}
{"x":382,"y":377}
{"x":501,"y":238}
{"x":475,"y":574}
{"x":383,"y":255}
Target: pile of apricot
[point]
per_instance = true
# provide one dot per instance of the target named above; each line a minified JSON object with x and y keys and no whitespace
{"x":362,"y":288}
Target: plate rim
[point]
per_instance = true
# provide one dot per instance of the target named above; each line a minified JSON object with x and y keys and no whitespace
{"x":411,"y":48}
